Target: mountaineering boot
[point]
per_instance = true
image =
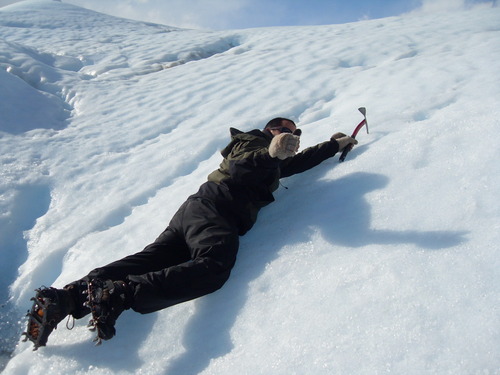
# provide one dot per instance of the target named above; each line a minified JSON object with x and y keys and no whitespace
{"x":78,"y":291}
{"x":50,"y":306}
{"x":107,"y":299}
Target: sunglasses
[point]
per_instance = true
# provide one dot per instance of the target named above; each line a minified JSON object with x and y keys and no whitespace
{"x":286,"y":130}
{"x":282,"y":130}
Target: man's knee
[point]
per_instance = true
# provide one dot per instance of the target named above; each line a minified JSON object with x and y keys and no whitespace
{"x":217,"y":281}
{"x":215,"y":274}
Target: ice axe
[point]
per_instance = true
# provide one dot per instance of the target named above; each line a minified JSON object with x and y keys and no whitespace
{"x":355,"y":133}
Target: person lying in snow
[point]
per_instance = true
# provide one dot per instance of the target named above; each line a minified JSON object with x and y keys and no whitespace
{"x":196,"y":252}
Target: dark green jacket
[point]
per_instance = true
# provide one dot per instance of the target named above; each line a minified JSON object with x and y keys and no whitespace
{"x":248,"y":175}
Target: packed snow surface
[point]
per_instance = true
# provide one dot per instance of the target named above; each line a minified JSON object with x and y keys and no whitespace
{"x":386,"y":263}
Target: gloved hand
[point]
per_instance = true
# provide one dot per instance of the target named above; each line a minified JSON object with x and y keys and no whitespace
{"x":338,"y":135}
{"x":343,"y":140}
{"x":284,"y":145}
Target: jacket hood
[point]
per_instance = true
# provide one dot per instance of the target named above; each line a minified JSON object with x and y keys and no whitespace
{"x":237,"y":135}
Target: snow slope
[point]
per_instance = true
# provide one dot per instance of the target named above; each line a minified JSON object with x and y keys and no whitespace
{"x":386,"y":263}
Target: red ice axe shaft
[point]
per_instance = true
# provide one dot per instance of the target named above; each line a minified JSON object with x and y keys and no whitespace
{"x":355,"y":133}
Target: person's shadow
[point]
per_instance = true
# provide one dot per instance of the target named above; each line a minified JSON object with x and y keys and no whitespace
{"x":334,"y":207}
{"x":344,"y":216}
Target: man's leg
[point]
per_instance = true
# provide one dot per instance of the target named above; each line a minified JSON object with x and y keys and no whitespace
{"x":168,"y":250}
{"x":52,"y":305}
{"x":213,"y":243}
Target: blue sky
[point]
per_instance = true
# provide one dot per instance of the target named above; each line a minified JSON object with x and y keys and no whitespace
{"x":237,"y":14}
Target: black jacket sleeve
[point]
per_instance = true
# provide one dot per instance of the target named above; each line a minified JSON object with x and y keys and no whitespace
{"x":309,"y":158}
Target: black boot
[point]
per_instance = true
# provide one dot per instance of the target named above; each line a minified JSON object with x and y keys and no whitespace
{"x":78,"y":291}
{"x":107,"y":299}
{"x":50,"y":306}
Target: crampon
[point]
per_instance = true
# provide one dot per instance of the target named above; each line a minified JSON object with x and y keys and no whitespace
{"x":47,"y":311}
{"x":105,"y":301}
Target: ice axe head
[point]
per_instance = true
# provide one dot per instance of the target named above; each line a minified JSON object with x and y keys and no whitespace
{"x":358,"y":128}
{"x":363,"y":112}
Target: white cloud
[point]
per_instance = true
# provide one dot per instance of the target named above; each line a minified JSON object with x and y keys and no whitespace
{"x":429,"y":6}
{"x":442,"y":5}
{"x":193,"y":14}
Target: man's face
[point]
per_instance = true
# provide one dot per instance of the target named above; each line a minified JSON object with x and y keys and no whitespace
{"x":284,"y":125}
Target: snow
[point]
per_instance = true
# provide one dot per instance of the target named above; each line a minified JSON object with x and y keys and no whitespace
{"x":386,"y":263}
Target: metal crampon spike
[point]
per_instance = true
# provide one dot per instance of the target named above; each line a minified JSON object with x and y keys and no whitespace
{"x":97,"y":341}
{"x":91,"y":325}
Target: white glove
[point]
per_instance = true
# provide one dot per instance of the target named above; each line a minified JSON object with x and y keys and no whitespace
{"x":338,"y":135}
{"x":284,"y":145}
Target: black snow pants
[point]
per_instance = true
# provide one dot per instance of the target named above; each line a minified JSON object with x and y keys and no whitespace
{"x":191,"y":258}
